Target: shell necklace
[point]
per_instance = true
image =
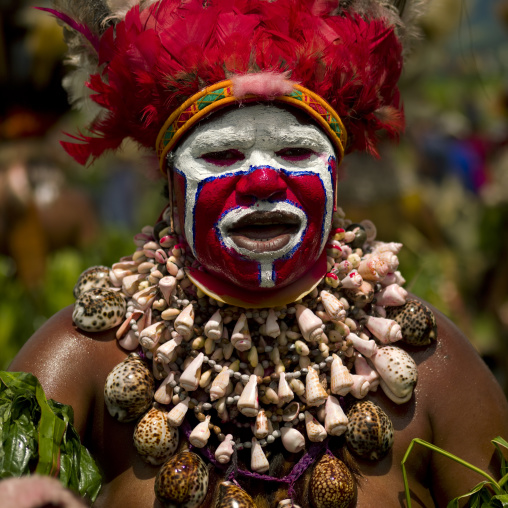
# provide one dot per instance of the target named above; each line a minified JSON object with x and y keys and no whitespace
{"x":283,"y":372}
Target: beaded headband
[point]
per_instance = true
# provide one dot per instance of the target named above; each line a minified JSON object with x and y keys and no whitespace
{"x":221,"y":94}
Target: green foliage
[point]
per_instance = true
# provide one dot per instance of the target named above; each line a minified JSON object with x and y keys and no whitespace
{"x":487,"y":494}
{"x":37,"y":436}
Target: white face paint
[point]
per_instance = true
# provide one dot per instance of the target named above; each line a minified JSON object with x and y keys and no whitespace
{"x":257,"y":186}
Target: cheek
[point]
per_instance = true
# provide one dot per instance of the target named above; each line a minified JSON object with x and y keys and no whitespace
{"x":309,"y":192}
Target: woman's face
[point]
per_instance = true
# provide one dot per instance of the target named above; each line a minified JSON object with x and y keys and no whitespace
{"x":256,"y":189}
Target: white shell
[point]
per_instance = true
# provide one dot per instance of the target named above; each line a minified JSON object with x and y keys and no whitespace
{"x":166,"y":350}
{"x":225,"y":450}
{"x":333,"y":306}
{"x":360,"y":387}
{"x":315,"y":394}
{"x":373,"y":268}
{"x":365,"y":347}
{"x":385,"y":330}
{"x":315,"y":431}
{"x":398,"y":372}
{"x":177,"y":414}
{"x":219,"y":384}
{"x":214,"y":326}
{"x":189,"y":380}
{"x":258,"y":461}
{"x":241,"y":338}
{"x":352,"y":280}
{"x":261,"y":427}
{"x":248,"y":403}
{"x":144,"y":298}
{"x":167,"y":286}
{"x":335,"y":419}
{"x":130,"y":283}
{"x":151,"y":335}
{"x":341,"y":380}
{"x":284,"y":392}
{"x":200,"y":434}
{"x":291,"y":411}
{"x":292,"y":439}
{"x":184,"y":323}
{"x":164,"y":393}
{"x":392,"y":295}
{"x":362,"y":368}
{"x":272,"y":328}
{"x":309,"y":324}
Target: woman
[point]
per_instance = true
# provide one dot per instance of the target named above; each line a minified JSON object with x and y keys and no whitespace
{"x":262,"y":319}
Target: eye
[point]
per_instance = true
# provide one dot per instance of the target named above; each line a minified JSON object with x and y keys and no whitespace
{"x":224,"y":157}
{"x":295,"y":154}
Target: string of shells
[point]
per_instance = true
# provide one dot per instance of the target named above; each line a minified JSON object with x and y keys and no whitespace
{"x":282,"y":372}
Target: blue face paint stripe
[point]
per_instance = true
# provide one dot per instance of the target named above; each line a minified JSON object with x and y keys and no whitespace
{"x":313,"y":173}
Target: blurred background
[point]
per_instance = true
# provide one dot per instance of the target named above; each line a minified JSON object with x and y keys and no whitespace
{"x":442,"y":191}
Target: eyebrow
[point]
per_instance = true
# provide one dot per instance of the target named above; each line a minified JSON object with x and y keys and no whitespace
{"x":222,"y":139}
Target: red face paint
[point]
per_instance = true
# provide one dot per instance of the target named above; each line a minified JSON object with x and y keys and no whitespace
{"x":258,"y":205}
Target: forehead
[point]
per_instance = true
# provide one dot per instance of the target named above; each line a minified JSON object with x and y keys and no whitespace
{"x":261,"y":125}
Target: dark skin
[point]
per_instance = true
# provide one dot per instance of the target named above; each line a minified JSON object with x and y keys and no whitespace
{"x":457,"y":405}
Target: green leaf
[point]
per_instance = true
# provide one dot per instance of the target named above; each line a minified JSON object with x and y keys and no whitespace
{"x":497,"y":442}
{"x":474,"y":494}
{"x":500,"y":501}
{"x":37,"y":434}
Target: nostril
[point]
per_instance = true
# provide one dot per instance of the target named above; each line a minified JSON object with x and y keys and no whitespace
{"x":262,"y":183}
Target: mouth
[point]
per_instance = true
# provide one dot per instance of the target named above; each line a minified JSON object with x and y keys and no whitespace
{"x":262,"y":231}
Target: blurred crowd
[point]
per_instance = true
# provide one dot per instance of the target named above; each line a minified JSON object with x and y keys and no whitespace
{"x":443,"y":191}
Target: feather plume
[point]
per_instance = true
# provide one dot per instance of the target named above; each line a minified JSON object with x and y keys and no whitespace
{"x":153,"y":55}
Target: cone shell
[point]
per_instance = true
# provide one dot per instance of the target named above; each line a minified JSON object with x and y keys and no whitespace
{"x":94,"y":277}
{"x":185,"y":321}
{"x":272,"y":328}
{"x":261,"y":427}
{"x":315,"y":394}
{"x":177,"y":414}
{"x":292,"y":439}
{"x":398,"y":372}
{"x":219,"y":384}
{"x":129,"y":389}
{"x":154,"y":439}
{"x":167,"y":286}
{"x":309,"y":324}
{"x":258,"y":461}
{"x":214,"y":326}
{"x":315,"y":431}
{"x":335,"y":419}
{"x":99,"y":309}
{"x":231,"y":496}
{"x":182,"y":481}
{"x":385,"y":330}
{"x":417,"y":322}
{"x":200,"y":434}
{"x":248,"y":403}
{"x":332,"y":484}
{"x":340,"y":378}
{"x":284,"y":392}
{"x":164,"y":393}
{"x":241,"y":338}
{"x":391,"y":295}
{"x":369,"y":432}
{"x":189,"y":380}
{"x":333,"y":307}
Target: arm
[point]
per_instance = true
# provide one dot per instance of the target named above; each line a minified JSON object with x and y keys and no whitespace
{"x":70,"y":364}
{"x":466,"y":409}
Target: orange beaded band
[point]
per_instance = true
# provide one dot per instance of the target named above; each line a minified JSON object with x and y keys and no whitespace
{"x":221,"y":94}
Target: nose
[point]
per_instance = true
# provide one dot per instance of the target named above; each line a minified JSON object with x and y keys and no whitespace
{"x":262,"y":183}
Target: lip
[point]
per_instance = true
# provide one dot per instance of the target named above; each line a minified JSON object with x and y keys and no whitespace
{"x":262,"y":231}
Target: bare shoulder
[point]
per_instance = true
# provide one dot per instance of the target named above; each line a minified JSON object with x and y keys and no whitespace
{"x":70,"y":364}
{"x":465,"y":406}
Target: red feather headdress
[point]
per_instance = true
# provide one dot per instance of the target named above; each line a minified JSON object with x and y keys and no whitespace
{"x":158,"y":56}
